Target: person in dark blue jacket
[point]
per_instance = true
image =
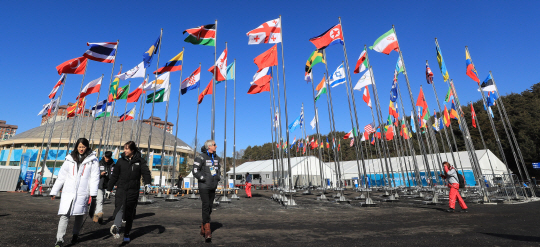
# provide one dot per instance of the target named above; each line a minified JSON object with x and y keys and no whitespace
{"x":206,"y":168}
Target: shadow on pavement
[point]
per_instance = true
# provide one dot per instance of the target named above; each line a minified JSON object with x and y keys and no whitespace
{"x":215,"y":225}
{"x":141,"y":231}
{"x":139,"y":216}
{"x":514,"y":237}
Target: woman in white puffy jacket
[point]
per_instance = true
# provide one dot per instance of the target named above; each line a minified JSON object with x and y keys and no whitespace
{"x":78,"y":179}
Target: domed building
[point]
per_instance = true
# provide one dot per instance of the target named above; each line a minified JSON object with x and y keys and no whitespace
{"x":104,"y":134}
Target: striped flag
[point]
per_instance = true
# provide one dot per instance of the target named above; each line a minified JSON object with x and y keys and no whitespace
{"x":55,"y":88}
{"x":128,"y":115}
{"x":104,"y":52}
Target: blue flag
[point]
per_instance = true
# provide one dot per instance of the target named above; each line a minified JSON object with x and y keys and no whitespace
{"x":230,"y":71}
{"x":294,"y":125}
{"x":393,"y":91}
{"x":147,"y":56}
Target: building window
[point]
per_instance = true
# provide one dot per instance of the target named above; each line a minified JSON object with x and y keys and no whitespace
{"x":267,"y":175}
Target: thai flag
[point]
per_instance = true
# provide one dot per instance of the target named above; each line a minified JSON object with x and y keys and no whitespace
{"x":102,"y":52}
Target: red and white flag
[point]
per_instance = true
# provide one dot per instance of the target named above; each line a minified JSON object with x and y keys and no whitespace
{"x":90,"y":88}
{"x":268,"y":32}
{"x":361,"y":64}
{"x":58,"y":84}
{"x":73,"y":66}
{"x":366,"y":97}
{"x":261,"y":81}
{"x":221,"y":70}
{"x":135,"y":94}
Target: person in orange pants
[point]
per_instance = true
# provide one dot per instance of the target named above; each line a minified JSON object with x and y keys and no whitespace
{"x":248,"y":185}
{"x":453,"y":184}
{"x":37,"y":183}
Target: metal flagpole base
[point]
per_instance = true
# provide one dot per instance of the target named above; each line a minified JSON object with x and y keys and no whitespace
{"x":193,"y":196}
{"x":362,"y":196}
{"x":391,"y":198}
{"x":144,"y":200}
{"x":289,"y":202}
{"x":434,"y":200}
{"x":369,"y":203}
{"x":37,"y":193}
{"x":396,"y":195}
{"x":343,"y":200}
{"x":159,"y":194}
{"x":235,"y":196}
{"x":171,"y":198}
{"x":225,"y":199}
{"x":386,"y":194}
{"x":307,"y":192}
{"x":322,"y":197}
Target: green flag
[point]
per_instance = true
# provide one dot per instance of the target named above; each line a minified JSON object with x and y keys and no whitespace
{"x":122,"y":93}
{"x":161,"y":95}
{"x":315,"y":58}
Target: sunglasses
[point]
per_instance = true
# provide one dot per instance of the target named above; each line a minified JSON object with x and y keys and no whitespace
{"x":214,"y":145}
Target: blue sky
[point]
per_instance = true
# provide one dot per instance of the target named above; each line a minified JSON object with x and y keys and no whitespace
{"x":39,"y":35}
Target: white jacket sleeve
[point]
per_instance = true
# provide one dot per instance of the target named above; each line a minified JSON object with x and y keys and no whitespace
{"x":62,"y":175}
{"x":94,"y":178}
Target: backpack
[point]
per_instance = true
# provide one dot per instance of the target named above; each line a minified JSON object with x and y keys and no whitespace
{"x":461,"y":180}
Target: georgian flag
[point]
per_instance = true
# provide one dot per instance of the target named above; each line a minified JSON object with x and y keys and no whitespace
{"x":55,"y":88}
{"x":268,"y":33}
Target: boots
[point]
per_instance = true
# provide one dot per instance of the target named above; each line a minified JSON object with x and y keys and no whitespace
{"x":95,"y":218}
{"x":100,"y":218}
{"x":207,"y":232}
{"x":202,"y":229}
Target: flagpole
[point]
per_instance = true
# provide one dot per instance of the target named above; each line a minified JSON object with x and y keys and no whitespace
{"x":410,"y":142}
{"x":110,"y":82}
{"x":123,"y":122}
{"x":43,"y":139}
{"x":165,"y":125}
{"x":76,"y":104}
{"x":291,"y":202}
{"x":141,"y":116}
{"x":350,"y":90}
{"x":280,"y":139}
{"x":482,"y":138}
{"x":444,"y":126}
{"x":176,"y":131}
{"x":501,"y":151}
{"x":418,"y":134}
{"x":332,"y":126}
{"x":196,"y":121}
{"x":44,"y":162}
{"x":272,"y":125}
{"x":302,"y":122}
{"x":95,"y":110}
{"x":153,"y":104}
{"x":213,"y":133}
{"x":59,"y":142}
{"x":513,"y":135}
{"x":323,"y":184}
{"x":381,"y":148}
{"x":277,"y":133}
{"x":234,"y":196}
{"x":475,"y":164}
{"x":225,"y":183}
{"x":109,"y":127}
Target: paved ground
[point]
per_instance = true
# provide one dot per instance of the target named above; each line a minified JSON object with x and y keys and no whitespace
{"x":259,"y":221}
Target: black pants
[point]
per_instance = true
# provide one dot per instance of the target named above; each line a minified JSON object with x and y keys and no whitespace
{"x":207,"y":198}
{"x":126,"y":201}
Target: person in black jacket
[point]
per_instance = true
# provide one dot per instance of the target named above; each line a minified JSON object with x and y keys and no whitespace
{"x":127,"y":173}
{"x":206,"y":168}
{"x":105,"y":165}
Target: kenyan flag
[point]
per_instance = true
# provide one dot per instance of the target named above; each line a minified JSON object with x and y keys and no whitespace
{"x":203,"y":35}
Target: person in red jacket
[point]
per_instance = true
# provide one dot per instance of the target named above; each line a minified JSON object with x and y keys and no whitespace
{"x":248,"y":185}
{"x":451,"y":176}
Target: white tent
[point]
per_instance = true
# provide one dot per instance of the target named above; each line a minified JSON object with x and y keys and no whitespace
{"x":401,"y":166}
{"x":304,"y":170}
